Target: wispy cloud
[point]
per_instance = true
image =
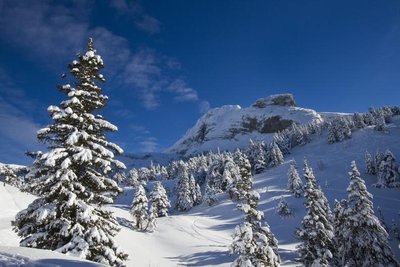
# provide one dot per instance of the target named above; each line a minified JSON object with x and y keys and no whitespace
{"x":204,"y":106}
{"x":149,"y":145}
{"x":143,"y":137}
{"x":142,"y":20}
{"x":50,"y":32}
{"x":182,"y":91}
{"x":148,"y":24}
{"x":42,"y":28}
{"x":139,"y":129}
{"x":18,"y":129}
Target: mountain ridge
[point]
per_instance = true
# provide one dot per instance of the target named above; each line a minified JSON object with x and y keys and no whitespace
{"x":231,"y":126}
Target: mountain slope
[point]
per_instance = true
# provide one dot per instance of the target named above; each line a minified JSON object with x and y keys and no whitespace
{"x":201,"y":236}
{"x":230,"y":127}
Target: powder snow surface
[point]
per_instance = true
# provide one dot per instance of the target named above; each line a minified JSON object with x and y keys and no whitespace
{"x":201,"y":237}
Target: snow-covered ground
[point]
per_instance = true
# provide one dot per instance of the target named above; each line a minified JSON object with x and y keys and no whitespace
{"x":201,"y":236}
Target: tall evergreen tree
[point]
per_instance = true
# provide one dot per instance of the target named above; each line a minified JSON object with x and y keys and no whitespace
{"x":370,"y":163}
{"x":365,"y":240}
{"x":275,"y":155}
{"x":245,"y":183}
{"x":316,"y":232}
{"x":295,"y":185}
{"x":73,"y":177}
{"x":260,"y":161}
{"x":184,"y":199}
{"x":387,"y":171}
{"x":380,"y":124}
{"x":159,"y":200}
{"x":339,"y":226}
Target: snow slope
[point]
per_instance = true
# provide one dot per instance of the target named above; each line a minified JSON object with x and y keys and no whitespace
{"x":201,"y":237}
{"x":230,"y":127}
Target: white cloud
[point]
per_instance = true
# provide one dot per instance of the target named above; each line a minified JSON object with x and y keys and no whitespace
{"x":18,"y":129}
{"x":204,"y":106}
{"x":183,"y":92}
{"x":139,"y":129}
{"x":149,"y":145}
{"x":148,"y":24}
{"x":142,"y":20}
{"x":43,"y":28}
{"x":51,"y":32}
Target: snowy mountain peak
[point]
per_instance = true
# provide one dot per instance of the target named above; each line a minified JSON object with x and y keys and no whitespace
{"x":279,"y":100}
{"x":230,"y":127}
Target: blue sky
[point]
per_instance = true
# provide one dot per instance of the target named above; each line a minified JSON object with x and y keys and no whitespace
{"x":167,"y":62}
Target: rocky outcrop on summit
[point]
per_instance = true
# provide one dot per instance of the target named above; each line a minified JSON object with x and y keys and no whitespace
{"x":279,"y":100}
{"x":230,"y":127}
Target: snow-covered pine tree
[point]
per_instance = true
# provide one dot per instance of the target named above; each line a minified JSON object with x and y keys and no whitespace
{"x":251,"y":152}
{"x":253,"y":240}
{"x":332,"y":132}
{"x":139,"y":208}
{"x":73,"y":177}
{"x":283,"y":208}
{"x":9,"y":176}
{"x":244,"y":245}
{"x":244,"y":184}
{"x":369,"y":118}
{"x":365,"y":241}
{"x":339,"y":129}
{"x":259,"y":158}
{"x":380,"y":124}
{"x":387,"y":171}
{"x":195,"y":192}
{"x":316,"y":232}
{"x":339,"y":226}
{"x":184,"y":199}
{"x":358,"y":120}
{"x":283,"y":142}
{"x":295,"y":185}
{"x":197,"y":196}
{"x":133,"y":178}
{"x":275,"y":155}
{"x":296,"y":136}
{"x":370,"y":163}
{"x":210,"y":195}
{"x":120,"y":177}
{"x":151,"y":220}
{"x":159,"y":200}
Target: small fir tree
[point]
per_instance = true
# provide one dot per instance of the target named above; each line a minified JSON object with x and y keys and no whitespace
{"x":253,"y":240}
{"x":358,"y":120}
{"x":370,"y":163}
{"x":259,"y":158}
{"x":295,"y":185}
{"x":159,"y":201}
{"x":387,"y":171}
{"x":139,"y":209}
{"x":283,"y":208}
{"x":380,"y":124}
{"x":275,"y":155}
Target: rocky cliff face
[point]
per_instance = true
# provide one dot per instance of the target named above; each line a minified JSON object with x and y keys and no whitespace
{"x":230,"y":127}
